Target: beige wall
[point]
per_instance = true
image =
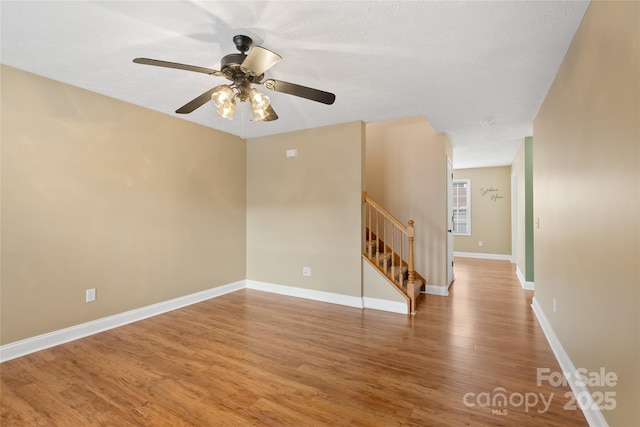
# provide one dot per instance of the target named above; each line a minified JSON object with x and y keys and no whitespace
{"x":490,"y":211}
{"x":375,"y":285}
{"x":306,"y":211}
{"x":586,"y":176}
{"x":406,"y":173}
{"x":517,"y":168}
{"x":97,"y":193}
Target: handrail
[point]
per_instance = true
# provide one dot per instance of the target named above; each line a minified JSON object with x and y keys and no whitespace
{"x":389,"y":255}
{"x":366,"y":198}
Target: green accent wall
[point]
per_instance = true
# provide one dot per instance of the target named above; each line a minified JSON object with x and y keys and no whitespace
{"x":528,"y":207}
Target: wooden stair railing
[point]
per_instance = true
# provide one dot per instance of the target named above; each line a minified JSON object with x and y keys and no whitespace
{"x":385,"y":242}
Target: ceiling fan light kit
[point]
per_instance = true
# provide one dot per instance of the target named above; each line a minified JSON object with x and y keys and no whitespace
{"x":227,"y":110}
{"x":222,"y":95}
{"x":243,"y":70}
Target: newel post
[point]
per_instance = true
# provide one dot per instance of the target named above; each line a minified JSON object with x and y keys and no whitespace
{"x":411,"y":282}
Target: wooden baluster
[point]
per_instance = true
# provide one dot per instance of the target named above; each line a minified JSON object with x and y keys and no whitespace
{"x":384,"y":243}
{"x":377,"y":238}
{"x":369,"y":246}
{"x":411,"y":283}
{"x":393,"y":252}
{"x":401,"y":255}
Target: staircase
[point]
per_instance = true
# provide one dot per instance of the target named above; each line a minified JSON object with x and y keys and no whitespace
{"x":388,"y":247}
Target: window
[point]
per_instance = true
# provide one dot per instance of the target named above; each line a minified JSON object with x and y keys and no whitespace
{"x":462,"y":207}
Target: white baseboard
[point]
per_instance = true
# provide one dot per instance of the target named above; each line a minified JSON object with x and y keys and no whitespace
{"x":437,"y":290}
{"x":482,"y":256}
{"x":292,"y":291}
{"x":385,"y":305}
{"x":591,"y":411}
{"x":529,"y":286}
{"x":61,"y":336}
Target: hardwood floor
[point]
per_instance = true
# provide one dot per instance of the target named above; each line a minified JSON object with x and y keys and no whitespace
{"x":253,"y":358}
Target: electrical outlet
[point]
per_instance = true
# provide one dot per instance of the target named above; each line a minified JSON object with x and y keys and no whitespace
{"x":555,"y":305}
{"x":306,"y":271}
{"x":90,"y":295}
{"x":480,"y":243}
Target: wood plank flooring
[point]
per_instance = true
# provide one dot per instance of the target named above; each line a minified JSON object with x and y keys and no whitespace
{"x":253,"y":358}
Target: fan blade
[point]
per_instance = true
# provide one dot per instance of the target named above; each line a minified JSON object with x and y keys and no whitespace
{"x":259,"y":60}
{"x":301,"y":91}
{"x":271,"y":115}
{"x":168,"y":64}
{"x":196,"y":102}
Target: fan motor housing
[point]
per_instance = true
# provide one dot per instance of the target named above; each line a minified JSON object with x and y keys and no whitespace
{"x":231,"y":60}
{"x":230,"y":67}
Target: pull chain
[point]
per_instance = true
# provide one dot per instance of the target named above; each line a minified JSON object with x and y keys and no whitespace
{"x":242,"y":126}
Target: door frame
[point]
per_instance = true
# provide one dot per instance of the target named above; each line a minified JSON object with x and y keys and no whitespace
{"x":514,"y":217}
{"x":450,"y":240}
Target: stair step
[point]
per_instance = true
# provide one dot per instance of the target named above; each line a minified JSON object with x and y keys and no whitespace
{"x":382,"y":257}
{"x":399,"y":271}
{"x":418,"y":283}
{"x":385,"y":260}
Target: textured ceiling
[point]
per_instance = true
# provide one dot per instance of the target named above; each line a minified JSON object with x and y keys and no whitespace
{"x":477,"y":70}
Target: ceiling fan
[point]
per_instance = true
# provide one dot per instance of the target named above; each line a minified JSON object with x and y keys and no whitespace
{"x":243,"y":70}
